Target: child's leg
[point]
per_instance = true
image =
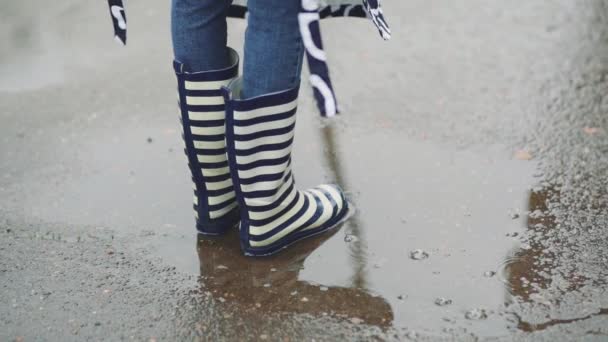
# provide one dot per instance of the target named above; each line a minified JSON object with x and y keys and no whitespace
{"x":199,"y":33}
{"x":273,"y":47}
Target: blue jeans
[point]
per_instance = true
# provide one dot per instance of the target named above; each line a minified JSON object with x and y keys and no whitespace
{"x":273,"y":45}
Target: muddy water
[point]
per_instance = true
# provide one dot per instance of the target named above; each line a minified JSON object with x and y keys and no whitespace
{"x":456,"y":233}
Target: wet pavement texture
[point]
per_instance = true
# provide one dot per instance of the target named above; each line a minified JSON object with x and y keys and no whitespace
{"x":473,"y":144}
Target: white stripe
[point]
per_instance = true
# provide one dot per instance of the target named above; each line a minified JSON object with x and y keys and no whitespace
{"x":328,"y":209}
{"x":265,"y":126}
{"x":208,"y":130}
{"x":218,"y":185}
{"x":206,"y":85}
{"x":213,"y":200}
{"x":275,"y":154}
{"x":211,"y":145}
{"x":204,"y":158}
{"x":204,"y":100}
{"x":257,"y":202}
{"x":265,"y":111}
{"x":261,"y":186}
{"x":195,"y":200}
{"x":266,"y":214}
{"x":259,"y":230}
{"x":263,"y":170}
{"x":214,"y":172}
{"x":273,"y":139}
{"x":223,"y":211}
{"x":297,"y":224}
{"x":334,"y":193}
{"x":202,"y":116}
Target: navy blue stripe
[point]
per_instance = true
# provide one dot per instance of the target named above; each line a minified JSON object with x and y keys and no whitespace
{"x":221,"y":205}
{"x":273,"y":204}
{"x":331,"y":200}
{"x":283,"y":225}
{"x":296,"y":236}
{"x":204,"y":93}
{"x":267,"y":118}
{"x":262,"y":178}
{"x":219,"y":192}
{"x":214,"y":75}
{"x":263,"y":162}
{"x":210,"y":151}
{"x":205,"y":108}
{"x":207,"y":123}
{"x":315,"y":217}
{"x":266,"y":147}
{"x":266,"y":133}
{"x":213,"y":165}
{"x":219,"y":178}
{"x":214,"y":137}
{"x":266,"y":100}
{"x":279,"y":214}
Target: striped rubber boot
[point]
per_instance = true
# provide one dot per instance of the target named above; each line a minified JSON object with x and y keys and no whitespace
{"x":259,"y":137}
{"x":203,"y":117}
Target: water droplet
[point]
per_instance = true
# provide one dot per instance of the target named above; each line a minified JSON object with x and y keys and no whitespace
{"x":267,"y":285}
{"x":350,"y":238}
{"x":476,"y":314}
{"x":442,"y":301}
{"x":418,"y":254}
{"x":489,"y":274}
{"x":221,"y":267}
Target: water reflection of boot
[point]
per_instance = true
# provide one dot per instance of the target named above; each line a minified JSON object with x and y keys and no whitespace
{"x":271,"y":285}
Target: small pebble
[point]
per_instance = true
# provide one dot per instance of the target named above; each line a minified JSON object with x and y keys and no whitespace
{"x":350,"y":238}
{"x":476,"y":314}
{"x":356,"y":320}
{"x":418,"y":254}
{"x":442,"y":301}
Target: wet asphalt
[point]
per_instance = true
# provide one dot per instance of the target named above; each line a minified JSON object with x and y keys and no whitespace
{"x":473,"y":144}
